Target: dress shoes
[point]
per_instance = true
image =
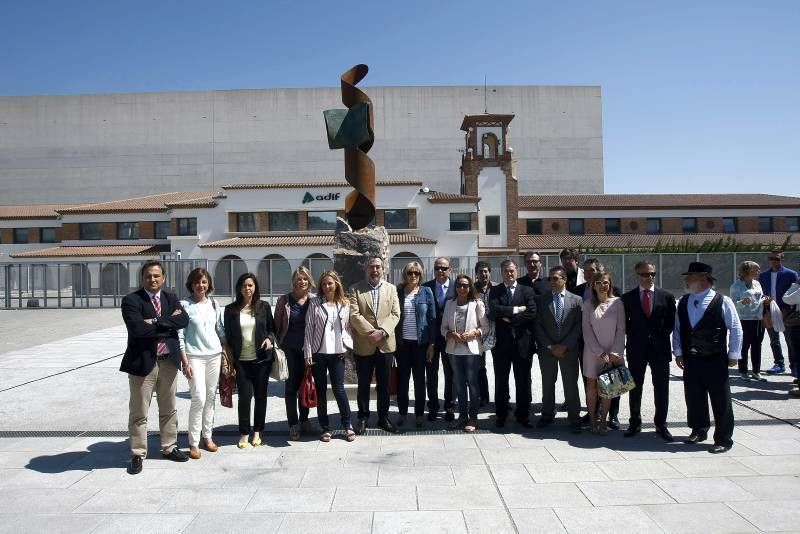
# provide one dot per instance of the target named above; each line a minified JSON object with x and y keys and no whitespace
{"x":361,"y":426}
{"x":387,"y":426}
{"x":665,"y":434}
{"x":524,"y":423}
{"x":500,"y":422}
{"x":613,"y":422}
{"x":719,"y":449}
{"x":209,"y":445}
{"x":176,"y":455}
{"x":696,"y":437}
{"x":586,"y":419}
{"x":632,"y":431}
{"x":575,"y":428}
{"x":449,"y":416}
{"x":135,"y":465}
{"x":544,"y":422}
{"x":194,"y":453}
{"x":432,"y":416}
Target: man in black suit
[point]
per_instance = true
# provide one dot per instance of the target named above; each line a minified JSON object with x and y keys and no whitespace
{"x":512,"y":307}
{"x":483,"y":284}
{"x":533,"y":279}
{"x":443,"y":289}
{"x":649,"y":322}
{"x":152,"y":360}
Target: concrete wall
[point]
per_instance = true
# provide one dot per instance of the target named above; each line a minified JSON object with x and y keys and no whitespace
{"x":84,"y":148}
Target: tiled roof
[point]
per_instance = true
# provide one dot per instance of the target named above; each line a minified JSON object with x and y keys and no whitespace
{"x":303,"y":185}
{"x":150,"y":204}
{"x":451,"y":198}
{"x":560,"y":241}
{"x":32,"y":211}
{"x":82,"y":252}
{"x":307,"y":240}
{"x":203,"y":202}
{"x":595,"y":202}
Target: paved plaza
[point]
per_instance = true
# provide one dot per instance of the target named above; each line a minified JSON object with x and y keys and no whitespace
{"x":63,"y":452}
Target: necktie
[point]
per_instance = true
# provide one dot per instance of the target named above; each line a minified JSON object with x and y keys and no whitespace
{"x":441,"y":295}
{"x":647,"y":302}
{"x":162,"y":345}
{"x":509,"y":294}
{"x":559,"y":305}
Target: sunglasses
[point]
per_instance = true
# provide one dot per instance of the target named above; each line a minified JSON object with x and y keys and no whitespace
{"x":441,"y":268}
{"x":649,"y":275}
{"x":413,"y":273}
{"x":462,"y":286}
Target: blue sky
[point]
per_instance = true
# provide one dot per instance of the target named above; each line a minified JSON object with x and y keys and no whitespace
{"x":698,"y":96}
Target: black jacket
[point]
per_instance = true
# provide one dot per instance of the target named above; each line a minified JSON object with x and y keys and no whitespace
{"x":264,"y":329}
{"x":648,"y":338}
{"x":540,"y":286}
{"x":519,"y":331}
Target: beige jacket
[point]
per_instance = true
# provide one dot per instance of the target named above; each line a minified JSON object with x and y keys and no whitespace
{"x":363,"y":319}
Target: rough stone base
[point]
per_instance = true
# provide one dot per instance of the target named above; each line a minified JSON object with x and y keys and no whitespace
{"x":352,"y":247}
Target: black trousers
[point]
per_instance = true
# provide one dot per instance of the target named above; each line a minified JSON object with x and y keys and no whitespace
{"x":753,"y":336}
{"x":659,"y":376}
{"x":381,"y":364}
{"x":483,"y":380}
{"x":411,"y":361}
{"x":505,"y":358}
{"x":706,"y":378}
{"x":432,"y":379}
{"x":252,"y":378}
{"x":297,"y":367}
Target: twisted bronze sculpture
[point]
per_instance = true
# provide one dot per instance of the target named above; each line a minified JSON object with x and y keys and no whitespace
{"x":353,"y":130}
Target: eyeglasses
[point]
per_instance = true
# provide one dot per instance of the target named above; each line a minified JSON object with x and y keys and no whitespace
{"x":413,"y":273}
{"x":441,"y":268}
{"x":534,"y":261}
{"x":648,"y":275}
{"x":462,"y":286}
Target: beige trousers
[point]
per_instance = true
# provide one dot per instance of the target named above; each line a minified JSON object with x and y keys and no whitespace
{"x":162,"y":380}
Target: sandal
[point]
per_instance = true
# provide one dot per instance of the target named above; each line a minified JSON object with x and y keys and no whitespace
{"x":350,"y":435}
{"x":325,"y":437}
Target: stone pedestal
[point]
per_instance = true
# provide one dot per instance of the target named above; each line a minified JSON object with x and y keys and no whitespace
{"x":351,"y":248}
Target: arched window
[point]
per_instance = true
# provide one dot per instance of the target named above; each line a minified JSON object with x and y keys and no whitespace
{"x":274,"y":276}
{"x":398,"y":262}
{"x":226,"y":272}
{"x":114,"y":279}
{"x":318,"y":263}
{"x":490,"y":144}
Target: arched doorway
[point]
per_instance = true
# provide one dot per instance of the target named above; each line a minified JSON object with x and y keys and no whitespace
{"x":274,"y":276}
{"x":489,"y":141}
{"x":226,"y":272}
{"x":398,"y":263}
{"x":114,"y":279}
{"x":318,"y":263}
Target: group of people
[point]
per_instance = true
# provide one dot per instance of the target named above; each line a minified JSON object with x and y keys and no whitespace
{"x":574,"y":320}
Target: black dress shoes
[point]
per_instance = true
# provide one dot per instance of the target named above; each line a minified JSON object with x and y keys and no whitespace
{"x":696,"y":437}
{"x":432,"y":416}
{"x":575,"y":428}
{"x":449,"y":416}
{"x":361,"y":426}
{"x":719,"y":449}
{"x":665,"y":434}
{"x":525,"y":423}
{"x":613,"y":422}
{"x":135,"y":465}
{"x":544,"y":422}
{"x":500,"y":422}
{"x":176,"y":455}
{"x":586,"y":419}
{"x":632,"y":431}
{"x":387,"y":426}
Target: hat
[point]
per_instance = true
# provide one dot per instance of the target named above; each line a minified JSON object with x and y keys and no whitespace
{"x":700,"y":267}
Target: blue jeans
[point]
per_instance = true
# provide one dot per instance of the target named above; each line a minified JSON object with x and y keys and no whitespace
{"x":333,"y":365}
{"x":466,"y":382}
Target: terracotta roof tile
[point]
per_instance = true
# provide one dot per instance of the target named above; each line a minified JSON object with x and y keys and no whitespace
{"x":81,"y":252}
{"x":301,"y":185}
{"x":149,"y":204}
{"x":32,"y":211}
{"x":307,"y":240}
{"x":573,"y":202}
{"x":560,"y":241}
{"x":438,"y":197}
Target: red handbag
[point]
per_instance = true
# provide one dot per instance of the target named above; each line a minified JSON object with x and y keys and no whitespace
{"x":227,"y":387}
{"x":308,"y":392}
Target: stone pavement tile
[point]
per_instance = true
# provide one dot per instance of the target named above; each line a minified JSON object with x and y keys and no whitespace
{"x":399,"y":457}
{"x":738,"y":450}
{"x":411,"y":442}
{"x":96,"y":444}
{"x":770,"y":446}
{"x":210,"y":500}
{"x":491,"y":441}
{"x":265,"y":523}
{"x":51,"y":463}
{"x":190,"y":477}
{"x":565,"y":453}
{"x":566,"y":472}
{"x":299,"y":458}
{"x":125,"y":501}
{"x":338,"y":443}
{"x":712,"y":489}
{"x":772,"y":431}
{"x":517,"y":456}
{"x":459,"y":441}
{"x":536,"y":521}
{"x":471,"y":475}
{"x":42,"y":500}
{"x":711,"y":466}
{"x":428,"y":522}
{"x":323,"y":476}
{"x":771,"y":516}
{"x":328,"y":522}
{"x":624,"y":492}
{"x":433,"y":475}
{"x":14,"y":523}
{"x":773,"y":465}
{"x":120,"y":479}
{"x":9,"y":444}
{"x":275,"y":477}
{"x":712,"y":517}
{"x":530,"y":441}
{"x":675,"y":450}
{"x":375,"y":499}
{"x":294,"y":499}
{"x":638,"y":469}
{"x":458,"y":498}
{"x":543,"y":496}
{"x":150,"y":523}
{"x":769,"y":487}
{"x":488,"y":522}
{"x":511,"y":474}
{"x":27,"y":478}
{"x":611,"y":519}
{"x":230,"y":459}
{"x":456,"y":457}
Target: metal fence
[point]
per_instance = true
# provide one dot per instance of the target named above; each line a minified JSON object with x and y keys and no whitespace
{"x":103,"y":284}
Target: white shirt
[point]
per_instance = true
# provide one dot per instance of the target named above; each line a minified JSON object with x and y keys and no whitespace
{"x":410,"y":319}
{"x":332,"y":340}
{"x":774,"y":279}
{"x":696,"y":307}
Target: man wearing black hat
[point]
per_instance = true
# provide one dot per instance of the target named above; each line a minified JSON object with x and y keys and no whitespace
{"x":704,"y":352}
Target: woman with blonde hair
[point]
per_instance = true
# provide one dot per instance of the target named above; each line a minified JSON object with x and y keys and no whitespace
{"x":748,"y":297}
{"x":290,"y":328}
{"x":327,"y":341}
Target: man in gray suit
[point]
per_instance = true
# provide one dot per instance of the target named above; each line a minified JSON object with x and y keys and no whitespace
{"x":558,"y":338}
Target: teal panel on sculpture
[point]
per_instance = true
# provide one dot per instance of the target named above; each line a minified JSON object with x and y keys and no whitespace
{"x":348,"y":128}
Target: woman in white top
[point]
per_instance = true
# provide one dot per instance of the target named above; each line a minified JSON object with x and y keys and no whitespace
{"x":464,"y":321}
{"x":327,"y":341}
{"x":748,"y":297}
{"x":201,"y":351}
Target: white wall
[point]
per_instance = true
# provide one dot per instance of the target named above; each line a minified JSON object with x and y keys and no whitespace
{"x":492,"y":190}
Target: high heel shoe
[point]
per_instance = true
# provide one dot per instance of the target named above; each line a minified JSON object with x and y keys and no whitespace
{"x":256,"y":442}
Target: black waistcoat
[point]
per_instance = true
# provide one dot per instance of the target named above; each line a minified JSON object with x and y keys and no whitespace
{"x":709,"y":337}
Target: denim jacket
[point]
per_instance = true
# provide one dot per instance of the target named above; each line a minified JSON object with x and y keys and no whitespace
{"x":425,"y":305}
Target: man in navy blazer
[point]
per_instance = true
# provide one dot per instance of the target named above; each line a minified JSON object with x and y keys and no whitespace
{"x":648,"y":343}
{"x":443,"y":289}
{"x":774,"y":283}
{"x":152,"y":360}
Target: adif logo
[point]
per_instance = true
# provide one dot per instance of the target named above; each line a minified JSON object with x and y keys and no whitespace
{"x":308,"y":197}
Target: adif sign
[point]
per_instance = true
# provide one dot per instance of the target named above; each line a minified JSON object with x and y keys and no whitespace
{"x":308,"y":197}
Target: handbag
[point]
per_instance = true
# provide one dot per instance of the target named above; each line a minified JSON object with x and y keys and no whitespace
{"x":227,"y":387}
{"x":308,"y":392}
{"x":280,"y":367}
{"x":487,"y":340}
{"x":792,"y":320}
{"x":615,"y":381}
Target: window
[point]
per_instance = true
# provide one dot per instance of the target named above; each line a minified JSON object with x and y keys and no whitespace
{"x":689,"y":225}
{"x":533,"y":226}
{"x":765,"y":224}
{"x":322,"y":220}
{"x":245,"y":222}
{"x":47,"y":235}
{"x":187,"y":226}
{"x":20,"y":236}
{"x":127,"y":230}
{"x":612,"y":226}
{"x":89,"y":231}
{"x":492,"y":225}
{"x":460,"y":222}
{"x":283,"y":221}
{"x":653,"y":226}
{"x":161,"y":229}
{"x":792,"y":224}
{"x":576,"y":226}
{"x":729,"y":225}
{"x":395,"y":219}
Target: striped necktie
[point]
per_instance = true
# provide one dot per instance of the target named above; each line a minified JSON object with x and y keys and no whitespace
{"x":162,"y":344}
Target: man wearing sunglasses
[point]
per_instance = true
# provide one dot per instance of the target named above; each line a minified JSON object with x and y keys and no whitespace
{"x":533,"y":279}
{"x":649,"y":321}
{"x":443,"y":290}
{"x":774,"y":282}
